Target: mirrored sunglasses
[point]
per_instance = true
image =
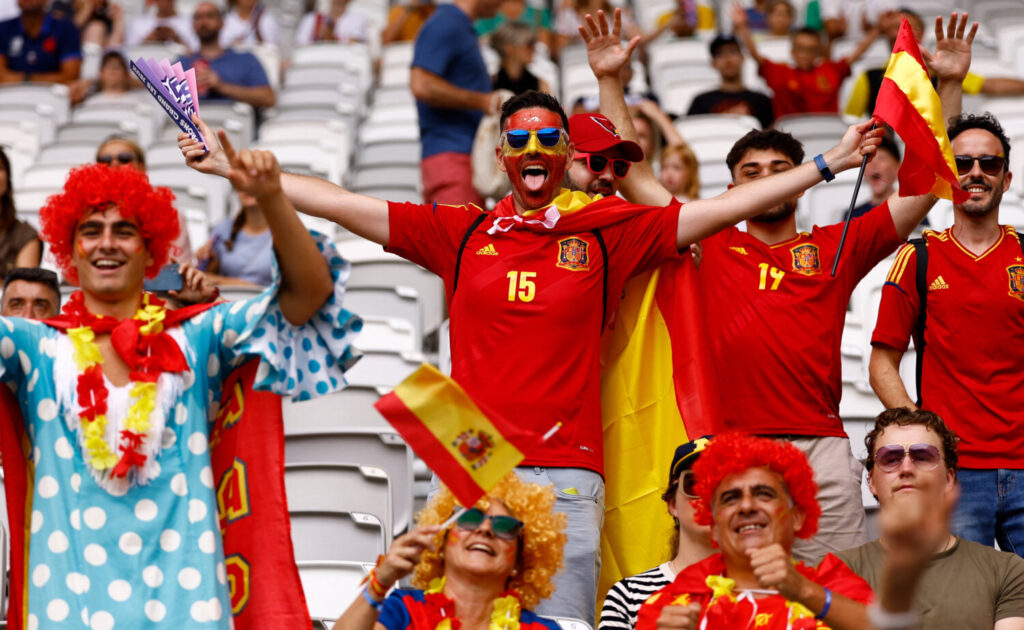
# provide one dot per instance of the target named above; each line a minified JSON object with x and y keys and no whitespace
{"x":124,"y":157}
{"x":504,"y":527}
{"x":597,"y":164}
{"x":990,"y":164}
{"x":547,"y":137}
{"x":924,"y":456}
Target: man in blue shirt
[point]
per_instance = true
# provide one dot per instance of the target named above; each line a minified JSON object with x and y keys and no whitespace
{"x":37,"y":47}
{"x":224,"y":74}
{"x":453,"y":92}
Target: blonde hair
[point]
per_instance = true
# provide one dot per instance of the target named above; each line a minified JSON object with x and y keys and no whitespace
{"x":541,"y":542}
{"x":691,"y":187}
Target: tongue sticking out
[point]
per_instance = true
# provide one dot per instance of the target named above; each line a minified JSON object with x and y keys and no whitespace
{"x":534,"y":181}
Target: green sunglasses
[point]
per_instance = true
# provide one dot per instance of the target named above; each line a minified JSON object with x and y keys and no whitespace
{"x":504,"y":527}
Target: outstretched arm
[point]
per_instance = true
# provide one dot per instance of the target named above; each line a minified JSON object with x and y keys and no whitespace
{"x":305,"y":279}
{"x":359,"y":214}
{"x":862,"y":47}
{"x":741,"y":27}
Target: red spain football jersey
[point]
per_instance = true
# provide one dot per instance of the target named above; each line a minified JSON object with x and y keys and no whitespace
{"x":974,"y":341}
{"x":805,"y":91}
{"x":526,"y":315}
{"x":776,"y":317}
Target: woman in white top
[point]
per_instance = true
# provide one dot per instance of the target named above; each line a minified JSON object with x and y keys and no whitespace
{"x":337,"y":24}
{"x":248,"y":22}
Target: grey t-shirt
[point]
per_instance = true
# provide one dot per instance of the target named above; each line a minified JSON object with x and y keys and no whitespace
{"x":250,"y":256}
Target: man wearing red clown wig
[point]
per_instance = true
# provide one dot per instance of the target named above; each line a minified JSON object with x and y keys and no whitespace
{"x":120,"y":519}
{"x":758,"y":495}
{"x":530,"y":287}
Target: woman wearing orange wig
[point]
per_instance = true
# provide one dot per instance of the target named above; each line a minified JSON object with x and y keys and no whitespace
{"x":484,"y":571}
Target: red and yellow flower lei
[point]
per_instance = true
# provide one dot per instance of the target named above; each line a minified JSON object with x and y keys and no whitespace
{"x":437,"y":612}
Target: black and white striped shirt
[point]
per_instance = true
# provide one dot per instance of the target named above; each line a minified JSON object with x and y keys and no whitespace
{"x":626,"y":596}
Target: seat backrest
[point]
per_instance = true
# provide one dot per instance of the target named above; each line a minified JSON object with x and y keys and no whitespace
{"x":330,"y":587}
{"x":372,"y":273}
{"x":336,"y":536}
{"x":340,"y":488}
{"x":349,"y":408}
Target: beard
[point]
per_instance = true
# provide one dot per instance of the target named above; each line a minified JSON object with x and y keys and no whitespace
{"x":978,"y":209}
{"x":777,"y":214}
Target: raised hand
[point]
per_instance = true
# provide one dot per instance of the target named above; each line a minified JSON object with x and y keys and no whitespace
{"x":252,"y":171}
{"x":404,"y":554}
{"x":604,"y":47}
{"x":774,"y":570}
{"x":739,"y":18}
{"x":952,"y":56}
{"x":210,"y":160}
{"x":858,"y":141}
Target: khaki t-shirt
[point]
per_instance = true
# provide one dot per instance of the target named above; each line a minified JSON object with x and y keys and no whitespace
{"x":969,"y":586}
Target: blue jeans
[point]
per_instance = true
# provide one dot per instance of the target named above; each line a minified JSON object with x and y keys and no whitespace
{"x":991,"y":508}
{"x":576,"y":584}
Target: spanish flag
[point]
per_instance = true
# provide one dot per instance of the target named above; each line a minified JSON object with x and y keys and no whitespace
{"x":907,"y":102}
{"x":450,"y":433}
{"x":656,"y":392}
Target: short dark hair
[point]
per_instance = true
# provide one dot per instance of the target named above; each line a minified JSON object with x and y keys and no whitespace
{"x":889,"y":144}
{"x":529,"y":99}
{"x":807,"y":30}
{"x":34,"y":274}
{"x":766,"y":139}
{"x":116,"y":55}
{"x":721,"y":41}
{"x":985,"y":121}
{"x":902,"y":417}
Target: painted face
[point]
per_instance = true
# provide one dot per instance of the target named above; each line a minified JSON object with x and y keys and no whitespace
{"x":759,"y":163}
{"x":751,"y":510}
{"x":986,"y":189}
{"x":110,"y":255}
{"x":31,"y":300}
{"x":535,"y":163}
{"x":479,"y":551}
{"x":910,"y":477}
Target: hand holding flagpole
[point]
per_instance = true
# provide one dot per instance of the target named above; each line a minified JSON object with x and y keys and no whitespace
{"x":849,"y":211}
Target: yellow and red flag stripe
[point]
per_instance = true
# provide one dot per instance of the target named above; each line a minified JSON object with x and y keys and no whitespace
{"x":450,"y":433}
{"x":908,"y":103}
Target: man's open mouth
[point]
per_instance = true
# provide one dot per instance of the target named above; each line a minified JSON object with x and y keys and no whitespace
{"x":534,"y":176}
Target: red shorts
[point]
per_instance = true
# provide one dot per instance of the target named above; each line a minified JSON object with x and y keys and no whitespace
{"x":448,"y":179}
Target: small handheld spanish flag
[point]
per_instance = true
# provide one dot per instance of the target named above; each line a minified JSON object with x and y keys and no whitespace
{"x":908,"y":103}
{"x":450,"y":433}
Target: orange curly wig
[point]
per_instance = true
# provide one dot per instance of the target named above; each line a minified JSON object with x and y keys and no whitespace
{"x":542,"y":540}
{"x":95,"y":187}
{"x":733,"y":453}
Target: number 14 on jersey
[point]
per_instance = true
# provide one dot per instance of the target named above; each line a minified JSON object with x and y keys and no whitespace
{"x":776,"y":275}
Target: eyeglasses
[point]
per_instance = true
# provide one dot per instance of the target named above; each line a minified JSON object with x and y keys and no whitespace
{"x":990,"y":164}
{"x":547,"y":137}
{"x":688,"y":484}
{"x":924,"y":456}
{"x":597,"y":164}
{"x":504,"y":527}
{"x":124,"y":157}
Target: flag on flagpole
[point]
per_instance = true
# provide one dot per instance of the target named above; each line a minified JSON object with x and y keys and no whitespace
{"x":908,"y":103}
{"x":657,"y":391}
{"x":450,"y":433}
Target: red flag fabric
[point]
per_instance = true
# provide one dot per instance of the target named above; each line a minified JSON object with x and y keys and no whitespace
{"x":18,"y":479}
{"x":907,"y":102}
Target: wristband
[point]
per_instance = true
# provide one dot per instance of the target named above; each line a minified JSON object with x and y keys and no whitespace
{"x":371,"y":601}
{"x":819,"y":161}
{"x":828,"y":600}
{"x":374,"y":585}
{"x":884,"y":620}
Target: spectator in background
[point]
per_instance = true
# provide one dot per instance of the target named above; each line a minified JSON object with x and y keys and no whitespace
{"x":570,"y":18}
{"x":336,"y":25}
{"x":19,"y":243}
{"x":248,"y":22}
{"x":690,"y":543}
{"x":538,"y":19}
{"x":225,"y":74}
{"x":38,"y":47}
{"x":684,"y":19}
{"x":114,"y":83}
{"x":654,"y":129}
{"x":30,"y":292}
{"x":602,"y":157}
{"x":405,"y":21}
{"x":240,"y":250}
{"x":780,"y":18}
{"x":514,"y":42}
{"x":680,"y":174}
{"x":100,"y":22}
{"x":162,"y":25}
{"x":731,"y":96}
{"x":811,"y":84}
{"x":880,"y":174}
{"x":453,"y":91}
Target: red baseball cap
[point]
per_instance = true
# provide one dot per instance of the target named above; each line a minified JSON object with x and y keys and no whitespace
{"x":593,"y":133}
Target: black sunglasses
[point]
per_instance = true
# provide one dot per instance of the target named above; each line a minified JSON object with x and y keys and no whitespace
{"x":504,"y":527}
{"x":124,"y":157}
{"x":597,"y":164}
{"x":924,"y":456}
{"x":990,"y":164}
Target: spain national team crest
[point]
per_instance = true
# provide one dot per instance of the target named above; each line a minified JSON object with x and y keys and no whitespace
{"x":573,"y":254}
{"x":475,"y":446}
{"x":806,"y":259}
{"x":1016,"y":273}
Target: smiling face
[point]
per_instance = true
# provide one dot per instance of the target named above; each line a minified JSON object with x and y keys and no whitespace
{"x":535,"y":171}
{"x":110,"y":256}
{"x":910,"y":477}
{"x":986,"y":190}
{"x":758,"y":163}
{"x":479,"y":552}
{"x":751,"y":510}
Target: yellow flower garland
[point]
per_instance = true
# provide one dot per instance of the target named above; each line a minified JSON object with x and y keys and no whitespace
{"x":504,"y":615}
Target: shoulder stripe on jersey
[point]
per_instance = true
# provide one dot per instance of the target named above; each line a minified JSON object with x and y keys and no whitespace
{"x":898,"y":287}
{"x":900,"y":264}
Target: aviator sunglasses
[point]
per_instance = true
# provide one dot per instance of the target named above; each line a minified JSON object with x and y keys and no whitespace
{"x":597,"y":164}
{"x":124,"y":157}
{"x":504,"y":527}
{"x":924,"y":456}
{"x":990,"y":164}
{"x":547,"y":137}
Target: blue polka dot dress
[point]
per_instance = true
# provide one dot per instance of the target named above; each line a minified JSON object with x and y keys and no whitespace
{"x":145,"y":551}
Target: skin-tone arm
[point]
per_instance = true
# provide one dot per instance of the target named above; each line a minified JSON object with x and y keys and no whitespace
{"x":30,"y":255}
{"x":1002,"y":86}
{"x":668,"y":130}
{"x":401,"y":559}
{"x":741,"y":27}
{"x":435,"y":91}
{"x":362,"y":215}
{"x":884,"y":376}
{"x":862,"y":47}
{"x":305,"y":279}
{"x":706,"y":216}
{"x":68,"y":72}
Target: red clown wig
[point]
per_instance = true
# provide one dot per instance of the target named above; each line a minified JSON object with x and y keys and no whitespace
{"x":96,"y":187}
{"x":734,"y":453}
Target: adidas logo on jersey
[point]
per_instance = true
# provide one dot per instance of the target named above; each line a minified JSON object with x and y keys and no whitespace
{"x":937,"y":284}
{"x":487,"y":250}
{"x":739,"y":250}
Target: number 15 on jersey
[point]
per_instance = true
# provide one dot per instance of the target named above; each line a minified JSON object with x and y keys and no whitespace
{"x":521,"y":285}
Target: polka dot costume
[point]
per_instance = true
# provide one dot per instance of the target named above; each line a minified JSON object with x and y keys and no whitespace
{"x":145,"y":552}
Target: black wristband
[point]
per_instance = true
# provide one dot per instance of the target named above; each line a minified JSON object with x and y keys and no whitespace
{"x":819,"y":160}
